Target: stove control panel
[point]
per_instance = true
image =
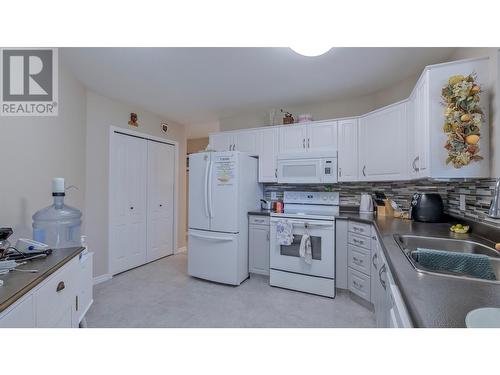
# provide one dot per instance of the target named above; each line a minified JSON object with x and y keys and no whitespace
{"x":312,"y":197}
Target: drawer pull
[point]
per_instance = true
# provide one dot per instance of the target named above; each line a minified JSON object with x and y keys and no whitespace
{"x":357,"y":261}
{"x":60,"y":286}
{"x":357,"y":285}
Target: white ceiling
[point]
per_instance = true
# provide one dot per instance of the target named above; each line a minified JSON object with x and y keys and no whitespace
{"x":200,"y":85}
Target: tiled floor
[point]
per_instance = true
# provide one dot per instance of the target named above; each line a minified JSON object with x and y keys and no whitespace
{"x":161,"y":294}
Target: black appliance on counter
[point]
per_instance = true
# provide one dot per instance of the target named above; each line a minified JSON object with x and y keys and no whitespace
{"x":427,"y":207}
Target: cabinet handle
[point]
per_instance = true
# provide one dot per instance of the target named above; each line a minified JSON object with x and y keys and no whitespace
{"x":307,"y":142}
{"x":380,"y":272}
{"x":364,"y":169}
{"x":76,"y":303}
{"x":340,"y":172}
{"x":60,"y":286}
{"x":161,"y":205}
{"x":268,"y":236}
{"x":234,"y":147}
{"x":303,"y":143}
{"x":414,"y":164}
{"x":375,"y":256}
{"x":276,"y":172}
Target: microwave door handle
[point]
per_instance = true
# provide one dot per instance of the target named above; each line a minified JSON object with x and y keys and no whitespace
{"x":205,"y":193}
{"x":210,"y":208}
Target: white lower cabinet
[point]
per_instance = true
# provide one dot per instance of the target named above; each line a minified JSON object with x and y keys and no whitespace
{"x":358,"y":260}
{"x":258,"y":244}
{"x":60,"y":301}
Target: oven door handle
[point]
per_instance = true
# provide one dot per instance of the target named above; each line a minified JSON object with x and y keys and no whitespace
{"x":309,"y":223}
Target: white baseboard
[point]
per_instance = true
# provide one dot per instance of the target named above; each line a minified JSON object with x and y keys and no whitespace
{"x":102,"y":278}
{"x":180,"y":250}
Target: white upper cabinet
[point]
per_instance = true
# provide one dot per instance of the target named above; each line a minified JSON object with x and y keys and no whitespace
{"x":383,"y":144}
{"x":292,"y":138}
{"x":247,"y":141}
{"x":221,"y":141}
{"x":268,"y":155}
{"x":348,"y":150}
{"x":419,"y":129}
{"x":322,"y":137}
{"x":312,"y":137}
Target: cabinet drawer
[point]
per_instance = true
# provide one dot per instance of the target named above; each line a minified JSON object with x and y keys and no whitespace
{"x":359,"y":283}
{"x":360,"y":228}
{"x":56,"y":296}
{"x":360,"y":241}
{"x":260,"y":220}
{"x":359,"y":259}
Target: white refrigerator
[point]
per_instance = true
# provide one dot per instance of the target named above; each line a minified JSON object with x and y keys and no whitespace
{"x":223,"y":187}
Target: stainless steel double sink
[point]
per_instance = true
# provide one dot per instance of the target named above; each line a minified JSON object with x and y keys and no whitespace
{"x":410,"y":243}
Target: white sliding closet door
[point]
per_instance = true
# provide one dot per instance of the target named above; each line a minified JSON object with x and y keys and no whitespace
{"x":128,"y":202}
{"x":161,"y":169}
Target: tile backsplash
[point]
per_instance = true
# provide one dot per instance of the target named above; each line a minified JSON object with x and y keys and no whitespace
{"x":478,"y":194}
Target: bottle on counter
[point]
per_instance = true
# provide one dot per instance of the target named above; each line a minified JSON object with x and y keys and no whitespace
{"x":58,"y":225}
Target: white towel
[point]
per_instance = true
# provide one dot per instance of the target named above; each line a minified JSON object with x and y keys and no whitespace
{"x":305,"y":250}
{"x":284,"y":233}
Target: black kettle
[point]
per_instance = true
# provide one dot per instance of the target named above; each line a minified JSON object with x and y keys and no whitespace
{"x":427,"y":207}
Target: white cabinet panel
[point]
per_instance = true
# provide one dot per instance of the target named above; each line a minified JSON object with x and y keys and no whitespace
{"x":21,"y":315}
{"x":85,"y":286}
{"x":293,"y":138}
{"x":247,"y":141}
{"x":268,"y":155}
{"x":258,"y":247}
{"x":221,"y":141}
{"x":383,"y":144}
{"x":161,"y":158}
{"x":348,"y":150}
{"x":322,"y":137}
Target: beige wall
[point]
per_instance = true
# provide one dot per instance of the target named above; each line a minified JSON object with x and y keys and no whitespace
{"x":197,"y":144}
{"x":494,"y":101}
{"x":34,"y":150}
{"x":102,"y":113}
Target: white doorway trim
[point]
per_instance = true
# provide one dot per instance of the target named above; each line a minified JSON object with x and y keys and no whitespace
{"x":117,"y":129}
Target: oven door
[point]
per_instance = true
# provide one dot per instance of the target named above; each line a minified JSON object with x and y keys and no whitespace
{"x":299,"y":171}
{"x":286,"y":258}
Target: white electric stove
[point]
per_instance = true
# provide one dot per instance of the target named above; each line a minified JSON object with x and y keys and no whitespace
{"x":312,"y":213}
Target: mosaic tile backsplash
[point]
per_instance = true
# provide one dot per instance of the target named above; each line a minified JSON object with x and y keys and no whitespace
{"x":478,"y":194}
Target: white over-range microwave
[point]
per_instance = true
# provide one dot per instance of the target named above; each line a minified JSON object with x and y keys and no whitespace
{"x":307,"y":168}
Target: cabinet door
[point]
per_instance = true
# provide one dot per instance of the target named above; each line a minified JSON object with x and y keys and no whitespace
{"x":348,"y":150}
{"x":383,"y":144}
{"x":412,"y":138}
{"x":322,"y":137}
{"x":421,"y":128}
{"x":221,"y":141}
{"x":293,"y":138}
{"x":247,"y":141}
{"x":161,"y":200}
{"x":258,"y":246}
{"x":21,"y":315}
{"x":85,"y":287}
{"x":268,"y":154}
{"x":128,"y":175}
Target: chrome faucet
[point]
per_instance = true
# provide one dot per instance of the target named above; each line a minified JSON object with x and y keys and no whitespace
{"x":495,"y":202}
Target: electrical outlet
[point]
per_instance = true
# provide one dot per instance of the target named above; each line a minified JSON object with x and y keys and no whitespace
{"x":462,"y":202}
{"x":274,"y":196}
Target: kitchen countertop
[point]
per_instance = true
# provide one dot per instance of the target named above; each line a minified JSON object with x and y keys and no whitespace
{"x":260,"y":213}
{"x":432,"y":301}
{"x":17,"y":284}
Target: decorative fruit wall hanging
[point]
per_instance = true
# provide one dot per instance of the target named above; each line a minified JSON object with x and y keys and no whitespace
{"x":463,"y":119}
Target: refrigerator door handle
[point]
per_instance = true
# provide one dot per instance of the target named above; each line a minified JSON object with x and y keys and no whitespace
{"x":214,"y":238}
{"x":206,"y":189}
{"x":210,"y":208}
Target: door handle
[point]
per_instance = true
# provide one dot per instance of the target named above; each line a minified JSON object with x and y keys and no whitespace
{"x":276,"y":172}
{"x":213,"y":238}
{"x":364,"y":169}
{"x":382,"y":282}
{"x":375,"y":256}
{"x":210,"y":213}
{"x":207,"y":214}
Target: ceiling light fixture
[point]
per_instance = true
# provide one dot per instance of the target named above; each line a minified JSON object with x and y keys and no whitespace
{"x":311,"y":51}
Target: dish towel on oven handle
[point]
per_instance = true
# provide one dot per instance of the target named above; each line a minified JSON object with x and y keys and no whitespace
{"x":305,"y":250}
{"x":284,"y":233}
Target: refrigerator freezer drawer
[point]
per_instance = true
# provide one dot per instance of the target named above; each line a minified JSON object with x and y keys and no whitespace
{"x":215,"y":256}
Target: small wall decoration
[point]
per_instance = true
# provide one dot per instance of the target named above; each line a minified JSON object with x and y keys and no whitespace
{"x":463,"y":119}
{"x":164,"y":127}
{"x":133,"y":120}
